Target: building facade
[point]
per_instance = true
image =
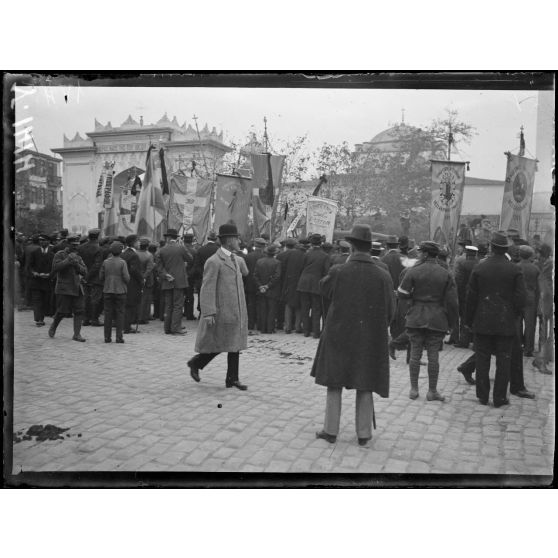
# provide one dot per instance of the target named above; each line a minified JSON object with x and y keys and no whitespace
{"x":125,"y":147}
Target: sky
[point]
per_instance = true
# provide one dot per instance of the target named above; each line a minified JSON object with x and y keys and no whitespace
{"x":325,"y":115}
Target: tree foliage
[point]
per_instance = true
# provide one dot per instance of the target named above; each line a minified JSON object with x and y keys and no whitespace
{"x":45,"y":220}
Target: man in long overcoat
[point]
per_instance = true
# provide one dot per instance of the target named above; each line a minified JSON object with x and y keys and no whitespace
{"x":135,"y":285}
{"x":291,"y":268}
{"x":268,"y":279}
{"x":495,"y":300}
{"x":224,"y":320}
{"x":40,"y":267}
{"x":531,"y":275}
{"x":353,"y":349}
{"x":250,"y":286}
{"x":462,"y":271}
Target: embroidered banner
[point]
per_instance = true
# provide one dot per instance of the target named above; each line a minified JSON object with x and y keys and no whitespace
{"x":320,"y":217}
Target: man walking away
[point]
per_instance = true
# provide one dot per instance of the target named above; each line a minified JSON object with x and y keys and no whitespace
{"x":268,"y":279}
{"x":40,"y":267}
{"x":147,"y":263}
{"x":135,"y":285}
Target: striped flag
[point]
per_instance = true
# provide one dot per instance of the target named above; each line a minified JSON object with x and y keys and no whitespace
{"x":151,"y":204}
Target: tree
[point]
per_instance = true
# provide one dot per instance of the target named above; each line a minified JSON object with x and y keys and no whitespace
{"x":33,"y":221}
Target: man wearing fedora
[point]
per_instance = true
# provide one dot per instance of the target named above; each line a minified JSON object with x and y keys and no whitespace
{"x":267,"y":276}
{"x":135,"y":285}
{"x":40,"y":267}
{"x":496,"y":297}
{"x":353,"y":349}
{"x":316,"y":266}
{"x":433,"y":312}
{"x":70,"y":301}
{"x":224,"y":321}
{"x":291,"y":268}
{"x":172,"y":262}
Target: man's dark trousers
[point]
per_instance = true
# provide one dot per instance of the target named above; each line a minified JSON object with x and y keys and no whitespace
{"x":311,"y":301}
{"x":485,"y":346}
{"x":174,"y":303}
{"x":114,"y":310}
{"x":203,"y":359}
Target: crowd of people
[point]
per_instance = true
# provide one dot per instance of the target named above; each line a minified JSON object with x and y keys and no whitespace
{"x":363,"y":299}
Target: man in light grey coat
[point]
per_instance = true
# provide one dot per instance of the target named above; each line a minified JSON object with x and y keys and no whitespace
{"x":224,"y":319}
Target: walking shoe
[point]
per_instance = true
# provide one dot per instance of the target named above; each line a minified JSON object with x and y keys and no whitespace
{"x":467,"y":375}
{"x":434,"y":396}
{"x":483,"y":401}
{"x":86,"y":323}
{"x":78,"y":338}
{"x":391,"y":349}
{"x":97,"y":323}
{"x":194,"y":371}
{"x":51,"y":331}
{"x":363,"y":441}
{"x":108,"y":340}
{"x":237,"y":385}
{"x":524,"y":393}
{"x":39,"y":324}
{"x":327,"y":437}
{"x":413,"y":394}
{"x":120,"y":340}
{"x":501,"y":403}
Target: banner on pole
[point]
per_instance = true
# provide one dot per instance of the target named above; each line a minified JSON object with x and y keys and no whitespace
{"x":320,"y":217}
{"x":127,"y":199}
{"x":518,"y":194}
{"x":232,"y":202}
{"x":109,"y":191}
{"x":201,"y":212}
{"x":448,"y":181}
{"x":267,"y":171}
{"x":99,"y":192}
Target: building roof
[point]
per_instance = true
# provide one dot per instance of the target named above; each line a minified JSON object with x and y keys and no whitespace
{"x":25,"y":152}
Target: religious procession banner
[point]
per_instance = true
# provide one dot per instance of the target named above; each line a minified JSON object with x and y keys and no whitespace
{"x":320,"y":217}
{"x":109,"y":190}
{"x":518,"y":194}
{"x":448,"y":181}
{"x":177,"y":198}
{"x":232,"y":202}
{"x":201,"y":214}
{"x":267,"y":172}
{"x":127,"y":201}
{"x":100,"y":189}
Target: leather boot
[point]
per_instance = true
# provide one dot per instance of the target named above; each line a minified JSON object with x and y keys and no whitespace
{"x":414,"y":375}
{"x":55,"y":321}
{"x":77,"y":329}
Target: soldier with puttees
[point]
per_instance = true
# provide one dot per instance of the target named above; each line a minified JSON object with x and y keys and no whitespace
{"x":92,"y":255}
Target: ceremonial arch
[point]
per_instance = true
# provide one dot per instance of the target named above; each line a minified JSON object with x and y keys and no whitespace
{"x":124,"y":150}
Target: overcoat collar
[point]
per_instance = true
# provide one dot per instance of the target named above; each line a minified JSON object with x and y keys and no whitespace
{"x":360,"y":257}
{"x":226,"y":260}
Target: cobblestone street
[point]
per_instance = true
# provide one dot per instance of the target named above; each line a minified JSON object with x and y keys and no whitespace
{"x":134,"y":407}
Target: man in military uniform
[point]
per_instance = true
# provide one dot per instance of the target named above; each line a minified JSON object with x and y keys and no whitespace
{"x":267,"y":276}
{"x":70,"y":271}
{"x":495,"y":299}
{"x":250,"y":286}
{"x":40,"y":267}
{"x":434,"y":310}
{"x":92,"y":255}
{"x":316,"y":266}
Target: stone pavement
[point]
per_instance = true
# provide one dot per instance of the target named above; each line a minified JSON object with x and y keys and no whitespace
{"x":137,"y":409}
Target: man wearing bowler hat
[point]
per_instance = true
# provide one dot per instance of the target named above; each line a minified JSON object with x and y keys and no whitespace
{"x":434,"y":310}
{"x":496,"y":298}
{"x":353,"y":349}
{"x":224,"y":321}
{"x":172,"y":262}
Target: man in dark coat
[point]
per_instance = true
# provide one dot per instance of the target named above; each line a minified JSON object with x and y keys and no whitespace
{"x":70,"y":271}
{"x":463,"y":269}
{"x":147,"y":263}
{"x":291,"y":268}
{"x":188,"y":239}
{"x":135,"y":285}
{"x":92,"y":255}
{"x":353,"y":349}
{"x":202,"y":255}
{"x":40,"y":267}
{"x":495,"y":299}
{"x":531,"y":275}
{"x":267,"y":276}
{"x":434,"y":310}
{"x":250,"y":286}
{"x":375,"y":251}
{"x":172,"y":261}
{"x":316,"y":266}
{"x":28,"y":250}
{"x":62,"y":243}
{"x":341,"y":256}
{"x":392,"y":259}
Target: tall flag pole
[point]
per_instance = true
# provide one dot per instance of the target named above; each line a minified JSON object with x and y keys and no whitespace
{"x":518,"y":190}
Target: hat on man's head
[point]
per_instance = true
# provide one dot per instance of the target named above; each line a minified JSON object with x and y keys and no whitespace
{"x":35,"y":238}
{"x":74,"y":239}
{"x":499,"y":238}
{"x":144,"y":242}
{"x":403,"y":241}
{"x":361,"y":233}
{"x":116,"y":248}
{"x":271,"y":250}
{"x":392,"y":240}
{"x":443,"y":253}
{"x":483,"y":248}
{"x":303,"y":241}
{"x":63,"y":233}
{"x":344,"y":245}
{"x":376,"y":247}
{"x":315,"y":239}
{"x":471,"y":249}
{"x":429,"y":247}
{"x":228,"y":229}
{"x":260,"y":241}
{"x":188,"y":236}
{"x":290,"y":242}
{"x":173,"y":233}
{"x":211,"y":236}
{"x":44,"y":237}
{"x":94,"y":233}
{"x":131,"y":239}
{"x":526,"y":252}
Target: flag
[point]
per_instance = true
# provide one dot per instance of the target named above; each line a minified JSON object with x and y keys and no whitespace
{"x":521,"y":143}
{"x":163,"y":166}
{"x":177,"y":198}
{"x":232,"y":202}
{"x":151,"y":205}
{"x":518,"y":194}
{"x":320,"y":217}
{"x":109,"y":193}
{"x":267,"y":171}
{"x":260,"y":217}
{"x":201,"y":212}
{"x":125,"y":224}
{"x":99,"y":192}
{"x":448,"y":181}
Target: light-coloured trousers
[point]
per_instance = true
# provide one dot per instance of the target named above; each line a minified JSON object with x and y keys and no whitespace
{"x":363,"y":415}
